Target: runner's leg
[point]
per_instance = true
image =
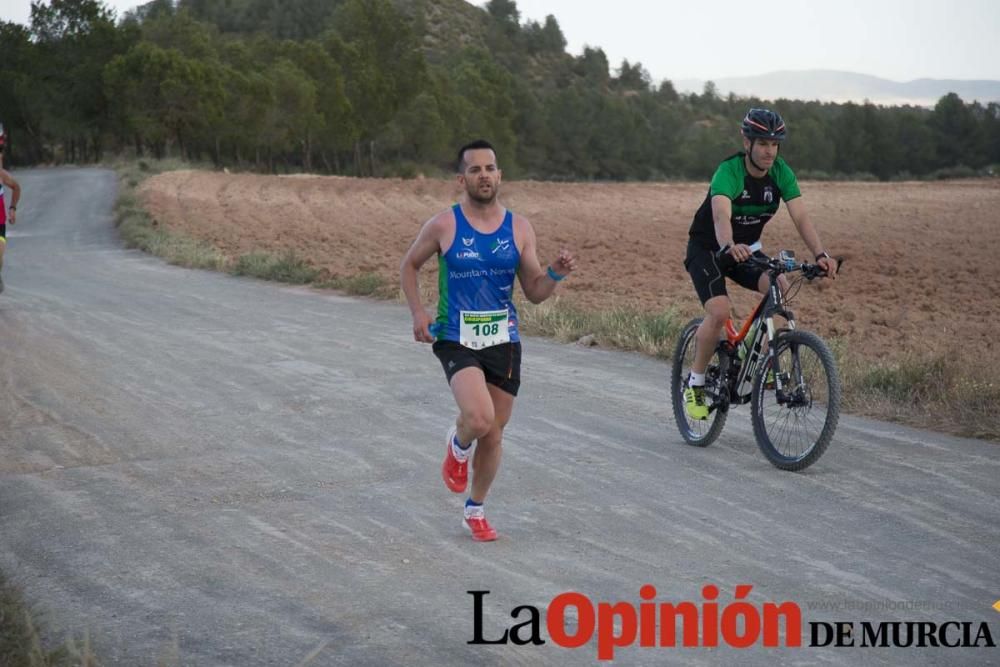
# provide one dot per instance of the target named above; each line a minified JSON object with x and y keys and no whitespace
{"x":476,"y":415}
{"x":486,"y":460}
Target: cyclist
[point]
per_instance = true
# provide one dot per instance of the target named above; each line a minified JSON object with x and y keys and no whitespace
{"x":15,"y":194}
{"x":744,"y":195}
{"x":481,"y":246}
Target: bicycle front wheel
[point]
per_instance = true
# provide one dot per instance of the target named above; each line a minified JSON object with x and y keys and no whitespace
{"x":794,"y":425}
{"x":697,"y":432}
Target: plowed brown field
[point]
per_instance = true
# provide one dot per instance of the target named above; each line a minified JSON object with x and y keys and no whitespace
{"x":921,"y":256}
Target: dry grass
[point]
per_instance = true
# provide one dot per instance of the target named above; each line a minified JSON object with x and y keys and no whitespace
{"x":623,"y":328}
{"x":21,"y":637}
{"x":951,"y":393}
{"x":364,"y":284}
{"x":287,"y":267}
{"x":139,"y":230}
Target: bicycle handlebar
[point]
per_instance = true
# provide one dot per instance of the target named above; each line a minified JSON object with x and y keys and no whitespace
{"x":810,"y":271}
{"x":778,"y":266}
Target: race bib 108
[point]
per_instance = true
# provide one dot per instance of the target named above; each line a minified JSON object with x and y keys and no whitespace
{"x":479,"y":329}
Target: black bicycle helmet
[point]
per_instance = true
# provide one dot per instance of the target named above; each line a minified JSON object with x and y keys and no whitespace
{"x":763,"y":124}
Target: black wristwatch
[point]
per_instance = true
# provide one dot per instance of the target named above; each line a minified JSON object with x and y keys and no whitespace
{"x":822,"y":255}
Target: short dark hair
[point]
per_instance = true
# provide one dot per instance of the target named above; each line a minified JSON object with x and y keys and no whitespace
{"x":472,"y":145}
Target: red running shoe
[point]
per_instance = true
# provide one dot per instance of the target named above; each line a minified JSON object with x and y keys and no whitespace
{"x":475,"y":521}
{"x":454,"y":472}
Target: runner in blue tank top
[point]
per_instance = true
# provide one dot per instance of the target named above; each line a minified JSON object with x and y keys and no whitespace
{"x":476,"y":275}
{"x":481,"y":247}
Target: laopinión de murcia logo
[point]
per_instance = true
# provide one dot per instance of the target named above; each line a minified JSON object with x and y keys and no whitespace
{"x":572,"y":620}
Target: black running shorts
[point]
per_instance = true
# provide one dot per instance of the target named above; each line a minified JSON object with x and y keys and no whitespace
{"x":501,"y":364}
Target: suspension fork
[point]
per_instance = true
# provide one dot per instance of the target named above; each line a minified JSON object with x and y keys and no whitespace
{"x":776,"y":307}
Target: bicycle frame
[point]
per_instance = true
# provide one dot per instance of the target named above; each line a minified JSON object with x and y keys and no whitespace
{"x":739,"y":373}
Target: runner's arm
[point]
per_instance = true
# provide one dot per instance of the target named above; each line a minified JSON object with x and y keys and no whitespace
{"x":426,"y":245}
{"x":537,"y":283}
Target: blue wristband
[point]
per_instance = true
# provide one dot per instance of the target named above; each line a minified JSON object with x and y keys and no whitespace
{"x":555,"y":276}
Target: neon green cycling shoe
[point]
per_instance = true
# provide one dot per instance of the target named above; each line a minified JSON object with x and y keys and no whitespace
{"x":694,"y":403}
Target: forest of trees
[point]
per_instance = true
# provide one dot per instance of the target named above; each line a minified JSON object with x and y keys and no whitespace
{"x":392,"y":87}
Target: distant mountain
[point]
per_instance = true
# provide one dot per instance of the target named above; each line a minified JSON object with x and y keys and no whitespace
{"x":834,"y":86}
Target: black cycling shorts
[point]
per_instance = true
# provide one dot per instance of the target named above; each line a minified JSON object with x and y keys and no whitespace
{"x":710,"y":280}
{"x":501,"y":364}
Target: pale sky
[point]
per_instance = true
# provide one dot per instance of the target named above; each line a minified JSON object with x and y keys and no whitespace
{"x":899,"y":40}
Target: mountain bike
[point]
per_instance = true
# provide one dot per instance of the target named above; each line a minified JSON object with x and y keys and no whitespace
{"x":788,"y":376}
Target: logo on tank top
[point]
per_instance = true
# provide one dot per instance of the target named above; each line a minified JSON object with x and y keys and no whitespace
{"x":469,"y":251}
{"x":500,"y":244}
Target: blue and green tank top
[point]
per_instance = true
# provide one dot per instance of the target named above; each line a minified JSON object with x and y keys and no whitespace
{"x":476,"y":274}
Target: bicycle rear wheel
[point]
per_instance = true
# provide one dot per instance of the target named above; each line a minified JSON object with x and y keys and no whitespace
{"x":794,"y":427}
{"x":700,"y":433}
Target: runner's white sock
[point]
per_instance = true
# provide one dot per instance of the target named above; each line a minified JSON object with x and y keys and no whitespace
{"x":461,"y":453}
{"x":696,"y":380}
{"x":472,"y":508}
